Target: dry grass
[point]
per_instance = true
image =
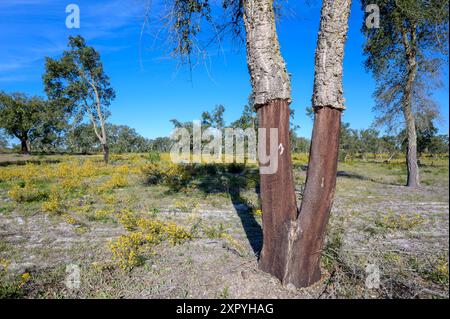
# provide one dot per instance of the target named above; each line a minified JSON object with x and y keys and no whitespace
{"x":143,"y":227}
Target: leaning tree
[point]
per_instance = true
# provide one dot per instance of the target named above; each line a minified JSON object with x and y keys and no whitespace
{"x":405,"y":54}
{"x":292,"y":238}
{"x":78,"y":82}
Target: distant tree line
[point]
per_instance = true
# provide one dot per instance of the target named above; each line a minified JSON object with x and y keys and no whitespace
{"x":369,"y":142}
{"x":42,"y":127}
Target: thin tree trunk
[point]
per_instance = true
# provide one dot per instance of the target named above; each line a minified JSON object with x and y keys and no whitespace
{"x":411,"y":150}
{"x":105,"y":149}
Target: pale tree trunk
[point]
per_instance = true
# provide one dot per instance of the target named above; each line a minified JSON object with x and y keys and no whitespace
{"x":98,"y":111}
{"x":411,"y":150}
{"x":293,"y":240}
{"x":100,"y":135}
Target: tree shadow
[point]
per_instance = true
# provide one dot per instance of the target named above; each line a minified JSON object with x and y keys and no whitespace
{"x":363,"y":178}
{"x":251,"y":226}
{"x":232,"y":179}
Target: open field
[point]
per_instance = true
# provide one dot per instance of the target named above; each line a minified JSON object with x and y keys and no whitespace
{"x":142,"y":227}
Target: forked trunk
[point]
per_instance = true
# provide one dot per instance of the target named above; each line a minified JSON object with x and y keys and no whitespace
{"x":293,"y":240}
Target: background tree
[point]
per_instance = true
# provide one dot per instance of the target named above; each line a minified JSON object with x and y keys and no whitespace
{"x":124,"y":139}
{"x":214,"y":119}
{"x":78,"y":81}
{"x":349,"y":144}
{"x":248,"y":118}
{"x":161,"y":144}
{"x":81,"y":139}
{"x":405,"y":56}
{"x":29,"y":118}
{"x":3,"y":140}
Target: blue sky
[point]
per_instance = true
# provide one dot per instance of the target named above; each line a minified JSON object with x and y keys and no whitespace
{"x":151,"y":87}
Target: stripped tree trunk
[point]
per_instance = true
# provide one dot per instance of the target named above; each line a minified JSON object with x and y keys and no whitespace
{"x":411,"y":150}
{"x":277,"y":193}
{"x":308,"y":234}
{"x":293,"y":240}
{"x":272,"y":96}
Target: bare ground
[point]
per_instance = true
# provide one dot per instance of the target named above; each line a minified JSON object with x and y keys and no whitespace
{"x":374,"y":221}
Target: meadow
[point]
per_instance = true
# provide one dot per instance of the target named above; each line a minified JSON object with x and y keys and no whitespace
{"x":142,"y":227}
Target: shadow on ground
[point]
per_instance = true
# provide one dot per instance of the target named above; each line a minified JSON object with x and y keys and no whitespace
{"x":232,"y":179}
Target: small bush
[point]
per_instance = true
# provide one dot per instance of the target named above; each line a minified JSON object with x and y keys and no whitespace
{"x":27,"y":194}
{"x":144,"y":235}
{"x":153,"y":157}
{"x":54,"y":204}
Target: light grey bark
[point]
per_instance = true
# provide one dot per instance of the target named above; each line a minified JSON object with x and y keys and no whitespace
{"x":270,"y":80}
{"x":330,"y":54}
{"x":411,"y":152}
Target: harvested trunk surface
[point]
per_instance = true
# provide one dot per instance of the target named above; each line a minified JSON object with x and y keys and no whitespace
{"x":277,"y":191}
{"x":293,"y":240}
{"x":308,"y":233}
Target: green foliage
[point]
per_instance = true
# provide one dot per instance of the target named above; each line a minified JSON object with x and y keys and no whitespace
{"x":153,"y":157}
{"x":124,"y":139}
{"x":30,"y":119}
{"x":3,"y":140}
{"x":78,"y":82}
{"x":409,"y":30}
{"x":144,"y":234}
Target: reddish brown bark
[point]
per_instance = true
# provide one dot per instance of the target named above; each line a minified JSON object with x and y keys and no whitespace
{"x":277,"y":191}
{"x":307,"y":235}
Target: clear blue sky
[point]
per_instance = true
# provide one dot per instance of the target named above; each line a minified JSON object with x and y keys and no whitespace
{"x":150,"y":88}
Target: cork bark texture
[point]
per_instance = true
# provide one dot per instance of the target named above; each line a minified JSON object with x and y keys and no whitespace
{"x":328,"y":91}
{"x":269,"y":78}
